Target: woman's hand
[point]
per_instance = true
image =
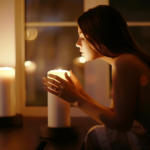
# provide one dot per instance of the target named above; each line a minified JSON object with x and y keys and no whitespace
{"x":62,"y":88}
{"x":76,"y":83}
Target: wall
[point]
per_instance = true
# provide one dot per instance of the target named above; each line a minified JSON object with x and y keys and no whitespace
{"x":7,"y":33}
{"x":92,"y":3}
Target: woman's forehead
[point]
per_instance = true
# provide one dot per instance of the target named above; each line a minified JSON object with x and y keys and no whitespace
{"x":79,"y":30}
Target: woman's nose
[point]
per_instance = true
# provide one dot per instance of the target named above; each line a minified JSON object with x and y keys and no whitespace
{"x":78,"y":44}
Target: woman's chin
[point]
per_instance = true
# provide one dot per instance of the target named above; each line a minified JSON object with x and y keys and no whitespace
{"x":88,"y":59}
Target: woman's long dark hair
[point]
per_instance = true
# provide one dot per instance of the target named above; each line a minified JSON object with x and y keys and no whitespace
{"x":107,"y":31}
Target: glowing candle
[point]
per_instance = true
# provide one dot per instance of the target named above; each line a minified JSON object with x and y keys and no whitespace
{"x":31,"y":34}
{"x":58,"y":109}
{"x":7,"y":92}
{"x":79,"y":61}
{"x":30,"y":66}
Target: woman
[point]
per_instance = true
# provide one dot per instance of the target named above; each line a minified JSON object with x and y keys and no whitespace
{"x":103,"y":33}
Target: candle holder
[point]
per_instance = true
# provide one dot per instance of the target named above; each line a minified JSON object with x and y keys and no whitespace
{"x":59,"y":132}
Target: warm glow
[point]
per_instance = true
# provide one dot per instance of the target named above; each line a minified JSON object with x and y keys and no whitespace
{"x":27,"y":63}
{"x":59,"y":70}
{"x":30,"y":66}
{"x":31,"y":34}
{"x":60,"y":73}
{"x":81,"y":59}
{"x":6,"y":68}
{"x":7,"y":72}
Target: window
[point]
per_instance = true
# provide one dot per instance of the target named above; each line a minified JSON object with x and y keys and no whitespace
{"x":137,"y":15}
{"x":53,"y":22}
{"x":47,"y":28}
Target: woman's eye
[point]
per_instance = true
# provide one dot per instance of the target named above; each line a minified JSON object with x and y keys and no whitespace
{"x":82,"y":38}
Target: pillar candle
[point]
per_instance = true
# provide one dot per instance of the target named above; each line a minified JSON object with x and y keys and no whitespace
{"x":58,"y":109}
{"x":7,"y":92}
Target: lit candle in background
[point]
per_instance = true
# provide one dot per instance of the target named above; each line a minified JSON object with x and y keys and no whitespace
{"x":79,"y":61}
{"x":7,"y":92}
{"x":30,"y":68}
{"x":58,"y":109}
{"x":82,"y":59}
{"x":31,"y":34}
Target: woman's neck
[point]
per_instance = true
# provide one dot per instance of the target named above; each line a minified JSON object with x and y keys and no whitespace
{"x":109,"y":60}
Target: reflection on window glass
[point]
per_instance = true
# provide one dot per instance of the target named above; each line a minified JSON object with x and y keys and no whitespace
{"x":141,"y":36}
{"x":52,"y":10}
{"x":53,"y":48}
{"x":133,"y":10}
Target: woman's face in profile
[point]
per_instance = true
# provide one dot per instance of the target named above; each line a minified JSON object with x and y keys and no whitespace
{"x":87,"y":51}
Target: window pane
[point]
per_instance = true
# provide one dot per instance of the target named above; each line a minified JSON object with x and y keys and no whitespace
{"x":141,"y":36}
{"x":52,"y":10}
{"x":133,"y":10}
{"x":53,"y":48}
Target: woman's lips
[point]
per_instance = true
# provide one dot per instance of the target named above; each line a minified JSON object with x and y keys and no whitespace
{"x":81,"y":52}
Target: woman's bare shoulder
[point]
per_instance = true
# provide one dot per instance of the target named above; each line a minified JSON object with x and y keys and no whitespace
{"x":126,"y":62}
{"x":132,"y":65}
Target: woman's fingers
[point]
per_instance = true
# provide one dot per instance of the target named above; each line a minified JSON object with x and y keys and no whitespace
{"x":62,"y":94}
{"x":57,"y":93}
{"x":51,"y":86}
{"x":73,"y":77}
{"x":67,"y":92}
{"x":57,"y":78}
{"x":51,"y":81}
{"x":68,"y":78}
{"x":61,"y":88}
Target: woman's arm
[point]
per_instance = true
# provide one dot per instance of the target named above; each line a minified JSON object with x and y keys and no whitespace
{"x":79,"y":88}
{"x":121,"y":114}
{"x":125,"y":82}
{"x":83,"y":93}
{"x":70,"y":93}
{"x":125,"y":94}
{"x":98,"y":112}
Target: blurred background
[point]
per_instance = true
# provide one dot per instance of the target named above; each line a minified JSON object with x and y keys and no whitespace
{"x":50,"y":47}
{"x":53,"y":46}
